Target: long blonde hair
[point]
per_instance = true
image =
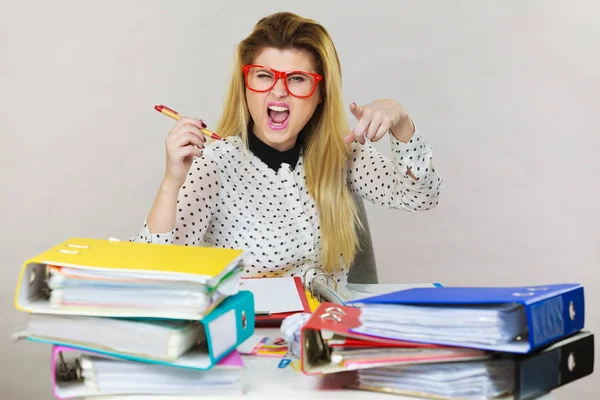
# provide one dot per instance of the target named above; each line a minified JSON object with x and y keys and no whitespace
{"x":325,"y":154}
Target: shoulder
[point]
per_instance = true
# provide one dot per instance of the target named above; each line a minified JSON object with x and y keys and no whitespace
{"x":219,"y":156}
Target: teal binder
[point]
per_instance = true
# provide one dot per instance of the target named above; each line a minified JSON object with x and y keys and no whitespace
{"x":226,"y":327}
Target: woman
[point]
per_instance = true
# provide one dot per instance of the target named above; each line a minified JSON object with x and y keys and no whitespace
{"x":279,"y":183}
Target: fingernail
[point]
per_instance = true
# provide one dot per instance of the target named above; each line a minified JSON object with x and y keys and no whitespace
{"x":203,"y":124}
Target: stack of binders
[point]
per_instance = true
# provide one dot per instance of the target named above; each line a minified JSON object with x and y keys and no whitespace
{"x":455,"y":342}
{"x":127,"y":318}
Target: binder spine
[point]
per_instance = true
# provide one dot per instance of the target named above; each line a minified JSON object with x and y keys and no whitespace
{"x":246,"y":318}
{"x":555,"y":318}
{"x":541,"y":373}
{"x":235,"y":312}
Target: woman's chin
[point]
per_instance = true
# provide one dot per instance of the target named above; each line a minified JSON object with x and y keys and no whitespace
{"x":281,"y":139}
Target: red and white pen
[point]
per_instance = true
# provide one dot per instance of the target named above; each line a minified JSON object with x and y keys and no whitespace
{"x":175,"y":115}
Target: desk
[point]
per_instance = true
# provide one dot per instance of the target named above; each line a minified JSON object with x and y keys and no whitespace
{"x":264,"y":380}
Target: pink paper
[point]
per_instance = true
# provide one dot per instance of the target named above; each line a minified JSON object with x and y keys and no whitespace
{"x":232,"y":359}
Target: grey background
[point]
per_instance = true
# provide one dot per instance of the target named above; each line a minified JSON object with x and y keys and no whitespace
{"x":504,"y":91}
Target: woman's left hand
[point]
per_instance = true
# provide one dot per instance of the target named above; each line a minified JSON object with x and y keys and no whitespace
{"x":377,"y":118}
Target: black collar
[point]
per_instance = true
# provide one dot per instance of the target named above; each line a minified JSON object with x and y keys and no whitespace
{"x":272,"y":157}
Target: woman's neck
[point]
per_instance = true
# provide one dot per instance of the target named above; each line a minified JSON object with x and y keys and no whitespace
{"x":271,"y":156}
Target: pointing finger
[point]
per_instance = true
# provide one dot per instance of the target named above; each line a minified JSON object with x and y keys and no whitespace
{"x":356,"y":110}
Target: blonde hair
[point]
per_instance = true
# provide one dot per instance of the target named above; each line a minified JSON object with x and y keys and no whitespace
{"x":325,"y":154}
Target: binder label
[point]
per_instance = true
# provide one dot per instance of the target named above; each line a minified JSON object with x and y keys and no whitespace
{"x":223,"y":332}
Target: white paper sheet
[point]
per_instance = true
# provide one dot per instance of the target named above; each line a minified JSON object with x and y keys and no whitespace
{"x":273,"y":295}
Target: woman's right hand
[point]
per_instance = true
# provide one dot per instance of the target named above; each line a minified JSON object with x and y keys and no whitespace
{"x":184,"y":141}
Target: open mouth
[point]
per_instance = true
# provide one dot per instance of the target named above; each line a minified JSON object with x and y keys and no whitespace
{"x":278,"y":116}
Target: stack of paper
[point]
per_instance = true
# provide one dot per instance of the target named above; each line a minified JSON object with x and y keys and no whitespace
{"x":364,"y":354}
{"x":487,"y":325}
{"x":464,"y":380}
{"x":159,"y":339}
{"x":71,"y":288}
{"x":106,"y":278}
{"x":140,"y":318}
{"x":84,"y":374}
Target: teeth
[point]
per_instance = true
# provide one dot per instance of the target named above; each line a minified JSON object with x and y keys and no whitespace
{"x":278,"y":108}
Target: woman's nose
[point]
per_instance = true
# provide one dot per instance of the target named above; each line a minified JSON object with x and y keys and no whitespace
{"x":279,"y":88}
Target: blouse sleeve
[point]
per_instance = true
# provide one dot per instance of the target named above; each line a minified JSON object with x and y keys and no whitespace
{"x":196,"y":201}
{"x":386,"y":182}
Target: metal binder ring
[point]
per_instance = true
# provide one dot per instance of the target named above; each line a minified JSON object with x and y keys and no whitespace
{"x":304,"y":280}
{"x":326,"y":276}
{"x":310,"y":285}
{"x":67,"y":372}
{"x":327,"y":315}
{"x":331,"y":309}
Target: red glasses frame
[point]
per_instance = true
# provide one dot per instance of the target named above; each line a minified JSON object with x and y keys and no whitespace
{"x":281,"y":75}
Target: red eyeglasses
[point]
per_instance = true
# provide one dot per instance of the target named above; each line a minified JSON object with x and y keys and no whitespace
{"x":297,"y":83}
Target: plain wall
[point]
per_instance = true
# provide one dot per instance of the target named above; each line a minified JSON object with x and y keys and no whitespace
{"x":506,"y":93}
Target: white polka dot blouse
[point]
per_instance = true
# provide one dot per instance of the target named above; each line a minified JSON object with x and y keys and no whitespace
{"x":233,"y":199}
